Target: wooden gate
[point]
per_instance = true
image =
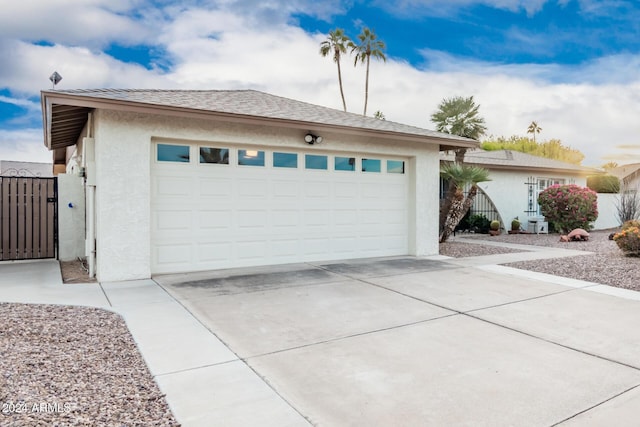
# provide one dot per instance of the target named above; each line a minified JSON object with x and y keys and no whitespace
{"x":28,"y":218}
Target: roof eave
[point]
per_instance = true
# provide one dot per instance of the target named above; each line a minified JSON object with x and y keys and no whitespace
{"x":51,"y":98}
{"x":578,"y":172}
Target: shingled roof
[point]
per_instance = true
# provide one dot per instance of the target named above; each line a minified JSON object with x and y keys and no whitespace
{"x":65,"y":112}
{"x":508,"y":159}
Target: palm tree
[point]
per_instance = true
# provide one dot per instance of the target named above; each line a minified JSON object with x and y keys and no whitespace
{"x":533,"y":129}
{"x":379,"y":115}
{"x":336,"y":44}
{"x":460,"y":176}
{"x":459,"y":116}
{"x":369,"y":45}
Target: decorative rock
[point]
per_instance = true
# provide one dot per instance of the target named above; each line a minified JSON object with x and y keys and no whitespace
{"x":578,"y":234}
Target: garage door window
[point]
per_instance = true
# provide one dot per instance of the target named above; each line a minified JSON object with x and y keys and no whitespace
{"x":214,"y":155}
{"x":173,"y":153}
{"x":345,"y":163}
{"x":285,"y":160}
{"x":370,"y":165}
{"x":395,"y":166}
{"x":250,"y":158}
{"x":312,"y":161}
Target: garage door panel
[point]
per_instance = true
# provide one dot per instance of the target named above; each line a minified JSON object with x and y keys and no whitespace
{"x":316,"y":189}
{"x":178,"y":220}
{"x":213,"y":251}
{"x":285,"y":219}
{"x":177,"y":186}
{"x":284,"y":248}
{"x":252,"y":218}
{"x":222,"y":216}
{"x":253,"y":188}
{"x":347,"y":217}
{"x":314,"y":218}
{"x":346,"y":190}
{"x":174,"y":254}
{"x":344,"y":247}
{"x":285,"y":190}
{"x":316,"y":246}
{"x":214,"y":219}
{"x":215,"y":187}
{"x":251,"y":250}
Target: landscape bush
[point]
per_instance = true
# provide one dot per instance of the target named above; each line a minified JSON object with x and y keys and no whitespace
{"x":479,"y":223}
{"x":569,"y":207}
{"x":604,"y":183}
{"x":628,"y":240}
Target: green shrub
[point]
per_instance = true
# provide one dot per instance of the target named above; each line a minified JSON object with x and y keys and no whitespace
{"x":495,"y":225}
{"x":604,"y":183}
{"x":479,"y":223}
{"x":569,"y":206}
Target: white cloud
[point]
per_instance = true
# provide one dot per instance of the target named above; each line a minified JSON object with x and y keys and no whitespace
{"x":24,"y":145}
{"x":75,"y":22}
{"x":31,"y":65}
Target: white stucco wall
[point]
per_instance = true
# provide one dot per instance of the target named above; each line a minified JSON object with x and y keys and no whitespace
{"x":607,"y":212}
{"x":71,"y":219}
{"x":509,"y":192}
{"x":123,"y":160}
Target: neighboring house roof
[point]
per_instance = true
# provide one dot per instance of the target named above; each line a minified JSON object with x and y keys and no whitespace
{"x":26,"y":169}
{"x":626,"y":173}
{"x":65,"y":113}
{"x":508,"y":159}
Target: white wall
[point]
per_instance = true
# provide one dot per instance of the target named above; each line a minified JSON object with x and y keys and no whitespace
{"x":607,"y":212}
{"x":123,"y":161}
{"x":71,"y":220}
{"x":509,"y":192}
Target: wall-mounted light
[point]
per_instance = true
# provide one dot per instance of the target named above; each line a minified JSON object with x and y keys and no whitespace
{"x":312,"y":139}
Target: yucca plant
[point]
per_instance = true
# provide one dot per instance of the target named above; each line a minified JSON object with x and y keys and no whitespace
{"x":460,"y":176}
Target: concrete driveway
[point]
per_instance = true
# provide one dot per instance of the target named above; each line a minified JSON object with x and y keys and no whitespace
{"x":410,"y":342}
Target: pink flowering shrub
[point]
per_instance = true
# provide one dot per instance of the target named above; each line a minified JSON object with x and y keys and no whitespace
{"x":628,"y":240}
{"x":569,"y":206}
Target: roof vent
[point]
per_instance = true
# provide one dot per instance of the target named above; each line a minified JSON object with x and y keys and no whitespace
{"x":509,"y":155}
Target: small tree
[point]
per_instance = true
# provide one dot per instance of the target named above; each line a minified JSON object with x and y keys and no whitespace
{"x":460,"y":176}
{"x":569,"y":206}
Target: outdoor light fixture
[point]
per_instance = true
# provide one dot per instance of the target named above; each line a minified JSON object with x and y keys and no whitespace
{"x":312,"y":139}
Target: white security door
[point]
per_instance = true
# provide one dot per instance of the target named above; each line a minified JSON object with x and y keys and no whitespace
{"x":219,"y":206}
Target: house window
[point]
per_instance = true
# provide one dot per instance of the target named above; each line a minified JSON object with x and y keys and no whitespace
{"x":371,"y":165}
{"x":395,"y":166}
{"x":214,"y":155}
{"x":544,"y":183}
{"x":250,"y":158}
{"x":541,"y":184}
{"x":345,"y":163}
{"x":173,"y":153}
{"x":312,"y":161}
{"x":285,"y":160}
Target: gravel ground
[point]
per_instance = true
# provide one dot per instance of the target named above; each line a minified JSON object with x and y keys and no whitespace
{"x":74,"y":366}
{"x":606,"y":265}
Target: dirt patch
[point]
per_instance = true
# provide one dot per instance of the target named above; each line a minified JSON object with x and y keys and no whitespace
{"x":75,"y":272}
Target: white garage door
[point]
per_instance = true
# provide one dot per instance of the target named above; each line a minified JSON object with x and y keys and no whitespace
{"x":220,"y":206}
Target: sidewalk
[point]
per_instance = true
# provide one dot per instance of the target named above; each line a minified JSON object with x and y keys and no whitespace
{"x":207,"y":384}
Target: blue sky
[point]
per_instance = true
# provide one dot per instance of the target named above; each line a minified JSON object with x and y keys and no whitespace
{"x":571,"y":65}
